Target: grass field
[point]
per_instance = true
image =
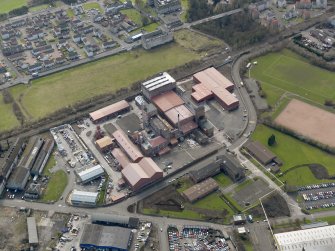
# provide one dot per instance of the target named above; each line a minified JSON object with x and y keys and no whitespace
{"x":88,"y":6}
{"x":8,"y":119}
{"x":134,"y":16}
{"x":8,"y":5}
{"x":286,"y":71}
{"x":51,"y":93}
{"x":185,"y":5}
{"x":223,"y":180}
{"x":56,"y":184}
{"x":195,"y":41}
{"x":38,"y":7}
{"x":294,"y":152}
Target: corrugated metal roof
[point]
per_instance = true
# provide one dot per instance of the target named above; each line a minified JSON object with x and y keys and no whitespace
{"x":158,"y":82}
{"x":110,"y":218}
{"x":167,"y":101}
{"x":219,"y":78}
{"x":124,"y":142}
{"x":83,"y":196}
{"x":225,"y":96}
{"x":32,"y":230}
{"x":109,"y":110}
{"x":149,"y":167}
{"x":104,"y":142}
{"x":91,"y":173}
{"x":182,"y":110}
{"x":201,"y":189}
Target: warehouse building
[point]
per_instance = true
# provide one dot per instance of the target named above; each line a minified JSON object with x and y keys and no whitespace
{"x":313,"y":239}
{"x":82,"y":198}
{"x":110,"y":111}
{"x":116,"y":220}
{"x":91,"y":173}
{"x":98,"y":237}
{"x":32,"y":231}
{"x":158,"y":85}
{"x":259,"y":152}
{"x":210,"y":83}
{"x":231,"y":167}
{"x":142,"y":173}
{"x":104,"y":144}
{"x":200,"y":190}
{"x":29,"y":159}
{"x":206,"y":171}
{"x":127,"y":146}
{"x":43,"y":157}
{"x":18,"y":179}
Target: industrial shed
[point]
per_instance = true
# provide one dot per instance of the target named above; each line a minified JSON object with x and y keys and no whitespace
{"x":231,"y":167}
{"x":141,"y":174}
{"x":104,"y":144}
{"x":260,"y":152}
{"x":106,"y":237}
{"x":200,"y":190}
{"x":206,"y":171}
{"x":167,"y":101}
{"x":82,"y":198}
{"x":115,"y":220}
{"x":127,"y":146}
{"x":32,"y":231}
{"x":18,"y":179}
{"x":109,"y":111}
{"x":91,"y":173}
{"x":313,"y":239}
{"x":43,"y":157}
{"x":121,"y":157}
{"x":157,"y":85}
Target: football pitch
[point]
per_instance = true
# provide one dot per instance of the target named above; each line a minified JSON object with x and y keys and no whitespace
{"x":286,"y":72}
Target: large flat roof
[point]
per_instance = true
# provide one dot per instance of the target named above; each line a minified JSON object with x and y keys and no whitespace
{"x":225,"y":96}
{"x":124,"y":142}
{"x":109,"y":110}
{"x":316,"y":239}
{"x":83,"y":196}
{"x":32,"y":230}
{"x":167,"y":101}
{"x":106,"y":236}
{"x":181,"y":110}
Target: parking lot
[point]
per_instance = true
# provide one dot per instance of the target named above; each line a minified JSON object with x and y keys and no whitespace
{"x":196,"y":238}
{"x":318,"y":195}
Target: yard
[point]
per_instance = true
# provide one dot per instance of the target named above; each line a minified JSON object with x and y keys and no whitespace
{"x":8,"y":119}
{"x":8,"y":5}
{"x":293,"y":152}
{"x":223,"y":180}
{"x":134,"y":16}
{"x":51,"y":93}
{"x":286,"y":71}
{"x":57,"y":182}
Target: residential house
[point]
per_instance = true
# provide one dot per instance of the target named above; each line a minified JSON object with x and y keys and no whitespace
{"x":35,"y":67}
{"x":108,"y":45}
{"x":76,"y":38}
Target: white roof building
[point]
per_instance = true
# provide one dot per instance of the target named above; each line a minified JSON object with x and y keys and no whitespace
{"x":91,"y":173}
{"x":314,"y":239}
{"x":84,"y":198}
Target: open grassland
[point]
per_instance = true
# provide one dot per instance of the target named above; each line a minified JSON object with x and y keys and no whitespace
{"x":293,"y":152}
{"x":223,"y":180}
{"x":8,"y":119}
{"x":88,"y":6}
{"x":134,"y":16}
{"x":8,"y":5}
{"x":195,"y":41}
{"x":286,"y":71}
{"x":39,"y":8}
{"x":51,"y":93}
{"x":185,"y":5}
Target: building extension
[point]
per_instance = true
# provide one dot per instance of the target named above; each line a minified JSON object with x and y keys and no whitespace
{"x":200,"y":190}
{"x":115,"y":220}
{"x":142,"y":173}
{"x":91,"y":173}
{"x":96,"y":237}
{"x":210,"y":83}
{"x":131,"y":150}
{"x":320,"y":238}
{"x":104,"y":144}
{"x":157,"y":85}
{"x":110,"y":111}
{"x":82,"y":198}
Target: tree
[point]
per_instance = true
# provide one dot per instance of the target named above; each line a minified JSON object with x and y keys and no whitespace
{"x":272,"y":140}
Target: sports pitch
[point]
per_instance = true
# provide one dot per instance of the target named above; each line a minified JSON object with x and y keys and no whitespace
{"x":286,"y":72}
{"x":308,"y":120}
{"x":8,"y":5}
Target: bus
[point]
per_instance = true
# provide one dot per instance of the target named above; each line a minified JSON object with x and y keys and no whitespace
{"x":248,"y":65}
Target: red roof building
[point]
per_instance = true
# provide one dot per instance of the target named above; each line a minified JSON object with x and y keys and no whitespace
{"x":109,"y":111}
{"x":142,"y":173}
{"x":127,"y":146}
{"x":167,"y":101}
{"x":121,"y":157}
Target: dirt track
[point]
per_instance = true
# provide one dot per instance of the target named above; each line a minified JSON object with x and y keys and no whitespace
{"x":309,"y":121}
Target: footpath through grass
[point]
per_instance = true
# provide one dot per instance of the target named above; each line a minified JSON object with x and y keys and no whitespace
{"x":59,"y":90}
{"x":57,"y":182}
{"x":286,"y":71}
{"x":293,"y":152}
{"x":8,"y":5}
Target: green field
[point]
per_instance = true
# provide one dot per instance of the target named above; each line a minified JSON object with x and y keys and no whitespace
{"x":293,"y":152}
{"x":56,"y":184}
{"x":134,"y":16}
{"x":51,"y":93}
{"x":8,"y":5}
{"x":286,"y":71}
{"x":88,"y":6}
{"x":38,"y":8}
{"x":223,"y":180}
{"x":185,"y":5}
{"x":8,"y":119}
